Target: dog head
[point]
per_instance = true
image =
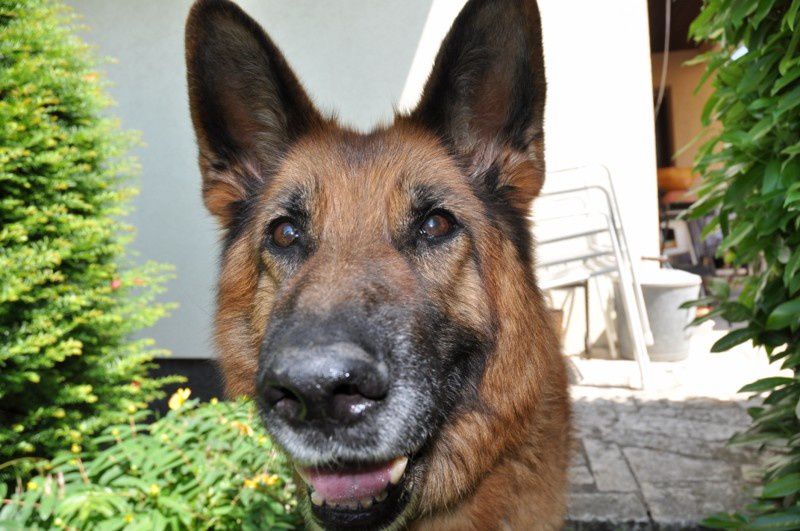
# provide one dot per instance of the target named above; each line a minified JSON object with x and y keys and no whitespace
{"x":365,"y":277}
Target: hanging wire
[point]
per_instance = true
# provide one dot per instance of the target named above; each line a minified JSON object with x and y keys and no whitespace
{"x":662,"y":87}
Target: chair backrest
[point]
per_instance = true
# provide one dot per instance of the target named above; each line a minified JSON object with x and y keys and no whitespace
{"x":576,"y":222}
{"x":573,"y":225}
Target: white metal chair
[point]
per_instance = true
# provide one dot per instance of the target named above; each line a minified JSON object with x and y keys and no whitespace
{"x":580,"y":237}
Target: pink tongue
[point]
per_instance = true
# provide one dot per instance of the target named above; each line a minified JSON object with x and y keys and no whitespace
{"x":348,"y":485}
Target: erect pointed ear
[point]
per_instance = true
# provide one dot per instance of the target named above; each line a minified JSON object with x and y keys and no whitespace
{"x":485,"y":96}
{"x":247,"y":105}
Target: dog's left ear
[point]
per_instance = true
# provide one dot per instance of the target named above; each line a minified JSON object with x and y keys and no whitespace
{"x":485,"y":96}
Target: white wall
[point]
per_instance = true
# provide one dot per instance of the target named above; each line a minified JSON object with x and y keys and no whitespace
{"x":600,"y":111}
{"x":355,"y":57}
{"x":599,"y":107}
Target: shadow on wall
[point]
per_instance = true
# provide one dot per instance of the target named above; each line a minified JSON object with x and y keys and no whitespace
{"x":202,"y":377}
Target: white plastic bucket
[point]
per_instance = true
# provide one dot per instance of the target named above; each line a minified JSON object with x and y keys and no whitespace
{"x":664,"y":291}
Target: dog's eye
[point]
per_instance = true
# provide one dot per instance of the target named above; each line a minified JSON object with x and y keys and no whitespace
{"x":285,"y":233}
{"x":437,"y":225}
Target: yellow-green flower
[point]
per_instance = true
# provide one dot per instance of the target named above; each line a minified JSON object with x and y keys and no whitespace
{"x":261,"y":479}
{"x":179,"y":398}
{"x":244,"y":429}
{"x":128,"y":518}
{"x":75,"y":448}
{"x":154,"y":489}
{"x":32,"y":485}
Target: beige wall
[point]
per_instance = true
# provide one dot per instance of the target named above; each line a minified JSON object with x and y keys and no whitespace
{"x":686,"y":106}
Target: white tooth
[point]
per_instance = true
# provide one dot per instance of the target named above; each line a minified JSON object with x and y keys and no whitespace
{"x":316,"y":499}
{"x":382,"y":496}
{"x":398,"y":467}
{"x":366,"y":503}
{"x":353,"y":505}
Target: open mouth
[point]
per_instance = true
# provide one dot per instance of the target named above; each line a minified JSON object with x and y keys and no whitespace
{"x":357,"y":496}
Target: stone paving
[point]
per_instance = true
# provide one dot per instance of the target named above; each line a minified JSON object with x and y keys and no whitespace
{"x":655,"y":464}
{"x":658,"y":459}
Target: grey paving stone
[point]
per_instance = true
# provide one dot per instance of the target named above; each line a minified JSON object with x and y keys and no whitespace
{"x":659,"y":467}
{"x":592,"y":419}
{"x":703,"y":410}
{"x":668,"y":456}
{"x":577,"y":457}
{"x":607,"y":508}
{"x":688,"y":503}
{"x":705,"y":431}
{"x":662,"y":441}
{"x":608,"y":466}
{"x":580,"y":476}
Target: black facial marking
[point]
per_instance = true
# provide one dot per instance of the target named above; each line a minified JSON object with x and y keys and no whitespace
{"x":242,"y":214}
{"x":509,"y":219}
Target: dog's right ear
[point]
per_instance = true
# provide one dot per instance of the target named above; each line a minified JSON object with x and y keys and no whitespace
{"x":247,"y":105}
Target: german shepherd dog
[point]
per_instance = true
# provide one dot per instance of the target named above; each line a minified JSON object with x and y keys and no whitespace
{"x":376,"y":293}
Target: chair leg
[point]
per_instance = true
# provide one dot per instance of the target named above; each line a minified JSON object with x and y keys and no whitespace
{"x":611,"y":333}
{"x":586,"y":349}
{"x":633,"y":314}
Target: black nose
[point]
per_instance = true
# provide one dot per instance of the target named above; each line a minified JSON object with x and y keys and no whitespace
{"x":335,"y":383}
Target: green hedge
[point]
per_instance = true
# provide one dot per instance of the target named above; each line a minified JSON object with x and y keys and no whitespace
{"x":69,"y":300}
{"x":208,"y":466}
{"x":751,"y":180}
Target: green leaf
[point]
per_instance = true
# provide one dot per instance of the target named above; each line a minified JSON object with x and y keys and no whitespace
{"x":786,"y":520}
{"x":720,"y":288}
{"x":724,"y":521}
{"x":766,"y":384}
{"x":772,"y":176}
{"x":782,"y":486}
{"x":705,"y":301}
{"x":737,"y":235}
{"x":741,"y":10}
{"x":788,"y":102}
{"x":735,"y":312}
{"x":785,"y":315}
{"x":790,"y":76}
{"x":792,"y":267}
{"x":791,"y":15}
{"x":731,"y":339}
{"x":764,"y":7}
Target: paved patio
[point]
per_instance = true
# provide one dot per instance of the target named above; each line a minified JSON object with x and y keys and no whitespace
{"x":658,"y":459}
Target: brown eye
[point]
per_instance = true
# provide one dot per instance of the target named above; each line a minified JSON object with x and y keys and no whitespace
{"x":285,"y":234}
{"x":437,"y":225}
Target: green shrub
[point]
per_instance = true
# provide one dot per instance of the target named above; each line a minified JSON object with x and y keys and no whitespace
{"x":68,"y":300}
{"x":751,"y":181}
{"x":208,"y":466}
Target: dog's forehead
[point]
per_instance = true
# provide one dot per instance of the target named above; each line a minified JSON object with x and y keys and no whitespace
{"x":341,"y":172}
